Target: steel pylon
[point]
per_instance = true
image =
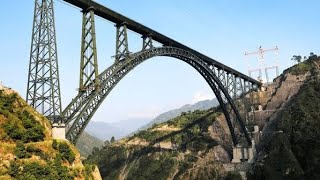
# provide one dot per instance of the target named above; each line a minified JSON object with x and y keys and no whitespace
{"x":122,"y":46}
{"x":88,"y":63}
{"x":43,"y":89}
{"x":147,"y":42}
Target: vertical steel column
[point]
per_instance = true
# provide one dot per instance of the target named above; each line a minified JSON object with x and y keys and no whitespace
{"x":147,"y":42}
{"x":241,"y":86}
{"x":43,"y":89}
{"x":242,"y":103}
{"x":122,"y":46}
{"x":213,"y":69}
{"x":247,"y":104}
{"x":252,"y":95}
{"x":245,"y":85}
{"x":267,"y":75}
{"x":88,"y":63}
{"x":234,"y":80}
{"x":231,"y":85}
{"x":252,"y":100}
{"x":222,"y":77}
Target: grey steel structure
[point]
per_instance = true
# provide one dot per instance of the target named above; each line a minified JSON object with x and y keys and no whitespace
{"x":89,"y":62}
{"x":43,"y":91}
{"x":228,"y":84}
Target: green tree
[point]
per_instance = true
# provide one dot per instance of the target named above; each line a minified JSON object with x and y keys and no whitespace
{"x":66,"y":152}
{"x":106,"y":143}
{"x":55,"y":144}
{"x":112,"y":140}
{"x":95,"y":150}
{"x":233,"y":176}
{"x":20,"y":151}
{"x":312,"y":56}
{"x":296,"y":58}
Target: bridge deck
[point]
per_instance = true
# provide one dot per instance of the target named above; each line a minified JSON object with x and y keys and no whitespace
{"x":117,"y":18}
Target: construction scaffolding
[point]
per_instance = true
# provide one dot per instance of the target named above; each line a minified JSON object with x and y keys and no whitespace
{"x":262,"y":66}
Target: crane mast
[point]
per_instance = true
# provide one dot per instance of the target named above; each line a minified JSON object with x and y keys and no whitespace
{"x":261,"y":63}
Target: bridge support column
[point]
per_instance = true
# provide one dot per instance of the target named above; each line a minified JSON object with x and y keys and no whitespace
{"x":243,"y":154}
{"x":256,"y":134}
{"x":59,"y":131}
{"x":43,"y":91}
{"x":122,"y":46}
{"x":88,"y":63}
{"x":147,"y":42}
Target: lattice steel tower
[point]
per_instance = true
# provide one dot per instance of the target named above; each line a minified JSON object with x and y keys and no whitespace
{"x":43,"y":91}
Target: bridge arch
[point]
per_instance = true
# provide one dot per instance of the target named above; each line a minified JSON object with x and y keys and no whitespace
{"x":80,"y":111}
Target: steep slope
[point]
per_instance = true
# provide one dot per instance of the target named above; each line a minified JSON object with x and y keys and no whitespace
{"x":277,"y":161}
{"x":86,"y":144}
{"x":292,"y":150}
{"x":27,"y":150}
{"x":181,"y":148}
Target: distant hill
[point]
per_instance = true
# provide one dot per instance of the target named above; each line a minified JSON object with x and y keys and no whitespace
{"x":86,"y":144}
{"x":201,"y":105}
{"x":98,"y":132}
{"x":105,"y":130}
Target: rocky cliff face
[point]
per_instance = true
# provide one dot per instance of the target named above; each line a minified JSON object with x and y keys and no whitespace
{"x":27,"y":150}
{"x":290,"y":148}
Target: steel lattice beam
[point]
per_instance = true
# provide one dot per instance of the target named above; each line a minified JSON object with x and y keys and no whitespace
{"x":227,"y":83}
{"x":120,"y":69}
{"x":43,"y":89}
{"x":117,"y":18}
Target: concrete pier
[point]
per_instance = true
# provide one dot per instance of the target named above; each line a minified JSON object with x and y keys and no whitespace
{"x":59,"y":131}
{"x":243,"y":154}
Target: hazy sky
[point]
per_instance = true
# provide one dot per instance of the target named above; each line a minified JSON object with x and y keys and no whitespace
{"x":222,"y":29}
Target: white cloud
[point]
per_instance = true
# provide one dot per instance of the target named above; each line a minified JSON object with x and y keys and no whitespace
{"x":202,"y":95}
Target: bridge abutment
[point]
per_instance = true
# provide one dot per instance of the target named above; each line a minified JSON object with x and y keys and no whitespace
{"x":246,"y":153}
{"x":243,"y":154}
{"x":59,"y":131}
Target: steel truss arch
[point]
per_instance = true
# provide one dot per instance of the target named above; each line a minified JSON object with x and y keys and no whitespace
{"x":79,"y":112}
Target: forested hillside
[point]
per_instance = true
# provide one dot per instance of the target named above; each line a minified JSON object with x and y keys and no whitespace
{"x":27,"y":150}
{"x":182,"y":148}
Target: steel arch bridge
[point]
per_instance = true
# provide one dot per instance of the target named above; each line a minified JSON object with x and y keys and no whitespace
{"x":43,"y":91}
{"x":79,"y":114}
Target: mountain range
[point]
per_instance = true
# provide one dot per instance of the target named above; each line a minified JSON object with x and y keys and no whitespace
{"x":98,"y":132}
{"x":105,"y":130}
